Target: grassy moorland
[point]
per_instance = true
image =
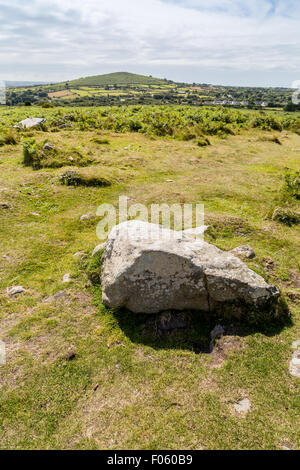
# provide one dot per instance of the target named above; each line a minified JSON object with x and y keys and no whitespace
{"x":79,"y":376}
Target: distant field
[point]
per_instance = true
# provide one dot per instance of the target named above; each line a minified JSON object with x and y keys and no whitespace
{"x":61,"y":94}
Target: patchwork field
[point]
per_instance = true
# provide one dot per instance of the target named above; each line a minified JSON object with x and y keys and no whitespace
{"x":81,"y":376}
{"x":60,"y":94}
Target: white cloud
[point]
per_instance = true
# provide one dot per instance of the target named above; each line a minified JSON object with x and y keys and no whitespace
{"x":57,"y":39}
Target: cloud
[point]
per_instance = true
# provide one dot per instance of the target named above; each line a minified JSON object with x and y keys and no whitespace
{"x":59,"y":39}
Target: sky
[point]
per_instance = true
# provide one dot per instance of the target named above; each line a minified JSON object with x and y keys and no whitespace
{"x":228,"y":42}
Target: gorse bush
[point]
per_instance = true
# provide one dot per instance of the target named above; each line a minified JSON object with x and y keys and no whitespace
{"x":73,"y":178}
{"x":99,"y":141}
{"x":267,"y":122}
{"x":30,"y":152}
{"x":292,"y":184}
{"x":203,"y":141}
{"x":8,"y":137}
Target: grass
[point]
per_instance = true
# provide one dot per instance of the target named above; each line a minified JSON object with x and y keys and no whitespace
{"x":124,"y":390}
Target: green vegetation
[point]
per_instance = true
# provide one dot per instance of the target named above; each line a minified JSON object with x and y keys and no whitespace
{"x":292,"y":183}
{"x":178,"y":122}
{"x":73,"y":178}
{"x":38,"y":156}
{"x":80,"y":376}
{"x":8,"y":137}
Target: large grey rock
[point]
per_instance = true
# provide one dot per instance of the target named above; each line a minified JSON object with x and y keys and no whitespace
{"x":30,"y":122}
{"x":148,"y":269}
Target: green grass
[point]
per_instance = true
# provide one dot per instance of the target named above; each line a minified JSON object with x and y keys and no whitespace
{"x":124,"y":390}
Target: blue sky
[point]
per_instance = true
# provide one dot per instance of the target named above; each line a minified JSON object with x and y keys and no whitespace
{"x":249,"y":42}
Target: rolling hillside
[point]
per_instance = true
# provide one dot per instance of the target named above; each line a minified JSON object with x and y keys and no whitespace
{"x":118,"y":78}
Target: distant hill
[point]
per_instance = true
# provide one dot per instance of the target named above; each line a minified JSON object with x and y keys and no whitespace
{"x":13,"y":84}
{"x":118,"y":78}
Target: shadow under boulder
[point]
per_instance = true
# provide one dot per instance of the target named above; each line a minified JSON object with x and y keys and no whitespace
{"x":191,"y":330}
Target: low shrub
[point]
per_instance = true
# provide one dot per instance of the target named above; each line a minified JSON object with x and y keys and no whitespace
{"x":292,"y":184}
{"x":286,"y":216}
{"x":73,"y":178}
{"x":203,"y":142}
{"x":8,"y":138}
{"x":185,"y":135}
{"x":30,"y":152}
{"x":96,"y":140}
{"x":37,"y":156}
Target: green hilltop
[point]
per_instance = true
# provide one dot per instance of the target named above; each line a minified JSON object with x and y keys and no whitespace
{"x":118,"y":78}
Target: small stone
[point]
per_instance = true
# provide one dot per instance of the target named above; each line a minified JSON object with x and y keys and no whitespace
{"x":244,"y":251}
{"x":98,"y":248}
{"x":168,"y":321}
{"x":85,"y":217}
{"x":66,"y":278}
{"x":5,"y":257}
{"x":169,"y":181}
{"x":48,"y":147}
{"x":243,"y":406}
{"x":71,"y":159}
{"x":296,"y":344}
{"x":217,"y":332}
{"x":295,"y":364}
{"x":5,"y":205}
{"x":35,"y":214}
{"x":58,"y":294}
{"x":70,"y":355}
{"x":15,"y":290}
